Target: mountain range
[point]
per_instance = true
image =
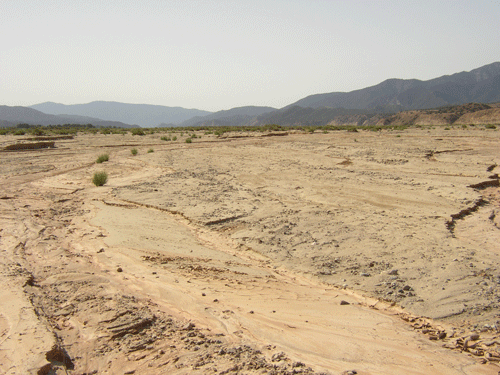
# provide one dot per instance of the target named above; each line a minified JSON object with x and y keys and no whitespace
{"x":481,"y":85}
{"x":12,"y":116}
{"x":145,"y":115}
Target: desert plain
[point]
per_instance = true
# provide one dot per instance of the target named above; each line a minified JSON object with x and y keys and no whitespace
{"x":255,"y":253}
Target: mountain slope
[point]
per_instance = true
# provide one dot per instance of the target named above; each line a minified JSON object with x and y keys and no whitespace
{"x":478,"y":85}
{"x":233,"y":117}
{"x":141,"y":114}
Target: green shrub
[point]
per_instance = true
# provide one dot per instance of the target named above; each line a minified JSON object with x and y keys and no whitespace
{"x":165,"y":138}
{"x":447,"y":128}
{"x":37,"y":132}
{"x":150,"y":150}
{"x":102,"y":158}
{"x":137,"y":131}
{"x":490,"y":126}
{"x":189,"y":140}
{"x":19,"y":132}
{"x":174,"y":138}
{"x":100,"y":178}
{"x":134,"y":151}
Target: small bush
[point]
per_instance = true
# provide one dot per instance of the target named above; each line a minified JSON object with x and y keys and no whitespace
{"x":189,"y":140}
{"x":447,"y":128}
{"x":102,"y":158}
{"x":490,"y":126}
{"x":137,"y":131}
{"x":134,"y":151}
{"x":100,"y":178}
{"x":174,"y":138}
{"x":165,"y":138}
{"x":150,"y":150}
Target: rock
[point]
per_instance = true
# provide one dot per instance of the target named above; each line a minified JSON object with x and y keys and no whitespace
{"x":278,"y":357}
{"x":364,"y":274}
{"x":119,"y":269}
{"x":188,"y":327}
{"x":393,"y":272}
{"x":442,"y":335}
{"x":344,"y":302}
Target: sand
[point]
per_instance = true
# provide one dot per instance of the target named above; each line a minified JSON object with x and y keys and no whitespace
{"x":340,"y":252}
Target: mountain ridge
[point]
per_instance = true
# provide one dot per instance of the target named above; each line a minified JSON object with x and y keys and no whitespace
{"x":394,"y":94}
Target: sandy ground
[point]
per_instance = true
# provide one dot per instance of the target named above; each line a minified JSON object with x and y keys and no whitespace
{"x":338,"y":253}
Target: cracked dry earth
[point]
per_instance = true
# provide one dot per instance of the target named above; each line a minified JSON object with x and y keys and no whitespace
{"x":339,"y":253}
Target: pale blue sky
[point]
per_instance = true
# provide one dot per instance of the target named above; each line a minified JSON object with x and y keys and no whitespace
{"x":215,"y":55}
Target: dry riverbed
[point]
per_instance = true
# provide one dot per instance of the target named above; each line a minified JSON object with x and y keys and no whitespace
{"x":367,"y":253}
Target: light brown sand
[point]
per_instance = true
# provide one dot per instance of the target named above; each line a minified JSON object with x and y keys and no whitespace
{"x":256,"y":241}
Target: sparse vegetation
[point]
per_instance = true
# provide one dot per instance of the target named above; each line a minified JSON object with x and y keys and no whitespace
{"x":102,"y":158}
{"x":174,"y":138}
{"x":189,"y":140}
{"x":165,"y":138}
{"x":134,"y":151}
{"x":150,"y":150}
{"x":490,"y":126}
{"x":100,"y":178}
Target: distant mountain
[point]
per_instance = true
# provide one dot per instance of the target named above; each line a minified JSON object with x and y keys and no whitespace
{"x":145,"y":115}
{"x":239,"y":116}
{"x":296,"y":115}
{"x":11,"y":116}
{"x":479,"y":85}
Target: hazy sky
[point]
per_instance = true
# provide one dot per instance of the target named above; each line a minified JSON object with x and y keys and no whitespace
{"x":215,"y":55}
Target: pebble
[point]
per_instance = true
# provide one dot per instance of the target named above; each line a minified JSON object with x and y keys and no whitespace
{"x":119,"y":269}
{"x":364,"y":274}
